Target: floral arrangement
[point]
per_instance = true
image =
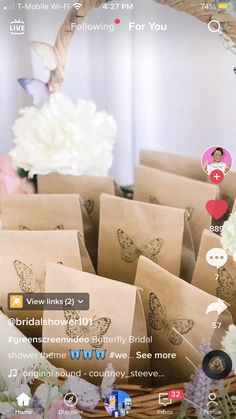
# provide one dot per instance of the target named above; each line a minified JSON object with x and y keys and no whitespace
{"x":199,"y":388}
{"x":64,"y":137}
{"x":10,"y":181}
{"x":228,"y":238}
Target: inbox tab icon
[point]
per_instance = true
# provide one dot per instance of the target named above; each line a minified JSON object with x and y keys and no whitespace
{"x":17,"y":27}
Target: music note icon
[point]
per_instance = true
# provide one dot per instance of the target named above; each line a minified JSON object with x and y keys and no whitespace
{"x":13,"y":373}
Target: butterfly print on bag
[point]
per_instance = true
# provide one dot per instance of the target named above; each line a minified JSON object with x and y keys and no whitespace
{"x":158,"y":321}
{"x":98,"y":328}
{"x":58,"y":227}
{"x":227,"y":289}
{"x":130,"y":251}
{"x":153,"y":200}
{"x":30,"y":281}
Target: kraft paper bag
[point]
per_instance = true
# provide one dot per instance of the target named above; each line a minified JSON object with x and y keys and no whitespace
{"x":228,"y":191}
{"x":129,"y":229}
{"x":183,"y":165}
{"x":93,"y":337}
{"x":176,"y":322}
{"x":42,"y":212}
{"x":164,"y":188}
{"x":22,"y":266}
{"x":46,"y":212}
{"x":219,"y":281}
{"x":90,"y":188}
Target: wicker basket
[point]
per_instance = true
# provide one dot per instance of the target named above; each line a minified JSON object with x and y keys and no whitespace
{"x":145,"y":402}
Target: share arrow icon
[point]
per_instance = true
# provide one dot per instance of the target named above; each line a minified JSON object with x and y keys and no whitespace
{"x":219,"y":306}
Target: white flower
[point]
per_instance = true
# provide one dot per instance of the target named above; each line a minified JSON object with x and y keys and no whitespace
{"x":64,"y":137}
{"x":228,"y":238}
{"x":229,"y":344}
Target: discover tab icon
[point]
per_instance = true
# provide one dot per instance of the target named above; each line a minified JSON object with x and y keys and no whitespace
{"x":17,"y":27}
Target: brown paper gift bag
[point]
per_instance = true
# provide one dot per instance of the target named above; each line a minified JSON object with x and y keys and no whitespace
{"x":90,"y":188}
{"x":176,"y":321}
{"x":115,"y":314}
{"x":131,"y":228}
{"x":164,"y":188}
{"x":228,"y":191}
{"x":46,"y":212}
{"x":22,"y":265}
{"x":188,"y":166}
{"x":218,"y":282}
{"x":42,"y":212}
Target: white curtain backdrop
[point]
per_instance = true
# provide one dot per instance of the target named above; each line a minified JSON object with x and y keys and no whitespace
{"x":171,"y":91}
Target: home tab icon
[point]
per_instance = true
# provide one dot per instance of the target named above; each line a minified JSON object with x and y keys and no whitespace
{"x":23,"y":400}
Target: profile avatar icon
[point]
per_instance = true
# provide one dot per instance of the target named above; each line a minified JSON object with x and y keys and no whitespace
{"x":216,"y":158}
{"x":118,"y":403}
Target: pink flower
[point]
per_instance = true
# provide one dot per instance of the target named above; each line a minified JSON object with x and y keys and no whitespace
{"x":58,"y":408}
{"x":10,"y":181}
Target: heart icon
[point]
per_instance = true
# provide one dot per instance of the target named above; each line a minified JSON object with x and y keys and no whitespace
{"x":217,"y":208}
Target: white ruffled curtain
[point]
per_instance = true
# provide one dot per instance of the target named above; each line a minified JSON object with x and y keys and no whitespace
{"x":173,"y":90}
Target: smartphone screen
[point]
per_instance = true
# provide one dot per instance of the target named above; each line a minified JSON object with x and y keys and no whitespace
{"x":117,"y":209}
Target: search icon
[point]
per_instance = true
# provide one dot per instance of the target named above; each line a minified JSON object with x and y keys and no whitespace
{"x":214,"y":26}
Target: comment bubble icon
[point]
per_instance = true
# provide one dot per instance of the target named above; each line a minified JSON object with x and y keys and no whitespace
{"x":216,"y":257}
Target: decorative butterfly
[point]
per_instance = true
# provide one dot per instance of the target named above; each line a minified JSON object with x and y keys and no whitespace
{"x":89,"y":205}
{"x":130,"y":252}
{"x":189,"y":210}
{"x":153,"y":200}
{"x":88,"y":394}
{"x":58,"y":227}
{"x":98,"y":328}
{"x":37,"y":89}
{"x":30,"y":282}
{"x":158,"y":321}
{"x":47,"y":53}
{"x":227,"y":289}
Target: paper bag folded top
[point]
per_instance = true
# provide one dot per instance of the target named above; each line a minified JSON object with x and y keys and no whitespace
{"x":42,"y":212}
{"x":92,"y":337}
{"x":22,"y":266}
{"x":183,"y":165}
{"x":47,"y":212}
{"x":129,"y":229}
{"x":164,"y":188}
{"x":176,"y":321}
{"x":219,"y":281}
{"x":90,"y":188}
